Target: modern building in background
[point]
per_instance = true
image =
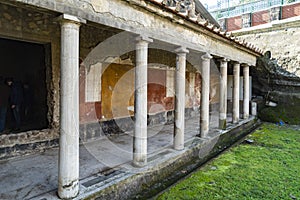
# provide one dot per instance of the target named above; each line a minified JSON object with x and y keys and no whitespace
{"x":234,"y":16}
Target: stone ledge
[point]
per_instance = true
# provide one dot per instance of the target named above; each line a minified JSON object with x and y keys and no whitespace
{"x":27,"y":148}
{"x":11,"y":139}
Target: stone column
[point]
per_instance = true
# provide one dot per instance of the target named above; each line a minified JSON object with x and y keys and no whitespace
{"x":246,"y":91}
{"x":180,"y":98}
{"x":140,"y":104}
{"x":223,"y":94}
{"x":236,"y":93}
{"x":68,"y":174}
{"x":205,"y":75}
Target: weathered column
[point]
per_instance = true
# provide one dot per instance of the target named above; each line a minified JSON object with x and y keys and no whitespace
{"x":140,"y":104}
{"x":180,"y":98}
{"x":236,"y":93}
{"x":68,"y":174}
{"x":204,"y":113}
{"x":246,"y":91}
{"x":223,"y":94}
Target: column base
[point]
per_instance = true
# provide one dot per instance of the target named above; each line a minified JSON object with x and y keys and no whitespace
{"x":68,"y":191}
{"x":235,"y":121}
{"x":178,"y":138}
{"x":203,"y":133}
{"x":204,"y":128}
{"x":139,"y":164}
{"x":179,"y":148}
{"x":222,"y":124}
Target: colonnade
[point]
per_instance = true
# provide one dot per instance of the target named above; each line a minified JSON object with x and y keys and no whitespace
{"x":68,"y":186}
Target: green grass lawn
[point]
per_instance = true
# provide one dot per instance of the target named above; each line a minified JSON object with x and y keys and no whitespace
{"x":269,"y":168}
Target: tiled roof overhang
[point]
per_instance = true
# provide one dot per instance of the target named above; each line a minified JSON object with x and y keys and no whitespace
{"x":198,"y":20}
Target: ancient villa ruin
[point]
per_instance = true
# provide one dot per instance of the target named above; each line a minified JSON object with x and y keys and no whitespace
{"x":104,"y":67}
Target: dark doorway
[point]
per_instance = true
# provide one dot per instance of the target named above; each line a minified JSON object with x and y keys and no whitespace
{"x":25,"y":63}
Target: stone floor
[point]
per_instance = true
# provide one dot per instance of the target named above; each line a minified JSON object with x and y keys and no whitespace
{"x":35,"y":176}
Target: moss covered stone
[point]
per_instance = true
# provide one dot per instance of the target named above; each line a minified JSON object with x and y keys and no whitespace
{"x":289,"y":114}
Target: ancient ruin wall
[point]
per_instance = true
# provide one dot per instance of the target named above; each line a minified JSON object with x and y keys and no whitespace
{"x":282,"y":40}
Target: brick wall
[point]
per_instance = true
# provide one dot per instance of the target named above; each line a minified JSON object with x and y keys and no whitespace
{"x":234,"y":23}
{"x":261,"y":17}
{"x":290,"y":11}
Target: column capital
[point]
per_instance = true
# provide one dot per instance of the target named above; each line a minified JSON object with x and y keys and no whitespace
{"x":71,"y":19}
{"x":245,"y":65}
{"x":206,"y":56}
{"x":142,"y":38}
{"x":236,"y":62}
{"x":181,"y":50}
{"x":223,"y":60}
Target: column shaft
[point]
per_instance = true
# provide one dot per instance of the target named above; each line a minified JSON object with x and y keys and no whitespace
{"x":180,"y":98}
{"x":246,"y":91}
{"x":205,"y":84}
{"x":236,"y":93}
{"x":223,"y":94}
{"x":140,"y":104}
{"x":68,"y":175}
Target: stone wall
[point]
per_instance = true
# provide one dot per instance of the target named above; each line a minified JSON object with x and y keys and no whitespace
{"x":281,"y":39}
{"x":280,"y":91}
{"x":27,"y":142}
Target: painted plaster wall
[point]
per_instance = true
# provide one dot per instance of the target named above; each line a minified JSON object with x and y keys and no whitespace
{"x":117,"y":91}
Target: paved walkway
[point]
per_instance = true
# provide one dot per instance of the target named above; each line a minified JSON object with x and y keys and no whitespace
{"x":31,"y":176}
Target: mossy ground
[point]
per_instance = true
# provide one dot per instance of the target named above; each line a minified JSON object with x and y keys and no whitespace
{"x":269,"y":168}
